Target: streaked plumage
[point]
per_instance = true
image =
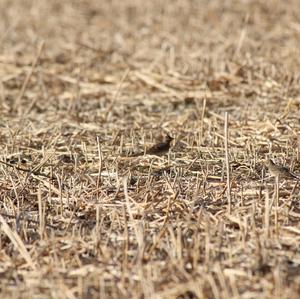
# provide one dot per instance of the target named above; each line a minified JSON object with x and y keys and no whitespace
{"x":158,"y":149}
{"x":279,"y":171}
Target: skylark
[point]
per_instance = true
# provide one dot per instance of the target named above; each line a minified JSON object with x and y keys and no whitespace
{"x":280,"y":171}
{"x":158,"y":149}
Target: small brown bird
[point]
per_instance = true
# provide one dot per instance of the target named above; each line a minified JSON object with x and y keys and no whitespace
{"x":279,"y":171}
{"x":158,"y":149}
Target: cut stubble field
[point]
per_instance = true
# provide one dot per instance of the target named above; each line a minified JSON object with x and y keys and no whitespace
{"x":91,"y":207}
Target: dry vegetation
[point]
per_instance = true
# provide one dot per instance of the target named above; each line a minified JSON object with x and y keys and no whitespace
{"x":85,"y":84}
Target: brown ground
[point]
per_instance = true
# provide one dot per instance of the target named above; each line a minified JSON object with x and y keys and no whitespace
{"x":86,"y":83}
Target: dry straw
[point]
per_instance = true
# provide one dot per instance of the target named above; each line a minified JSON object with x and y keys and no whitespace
{"x":85,"y":85}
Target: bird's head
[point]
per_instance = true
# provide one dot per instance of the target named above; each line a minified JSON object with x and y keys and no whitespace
{"x":269,"y":162}
{"x":168,"y":138}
